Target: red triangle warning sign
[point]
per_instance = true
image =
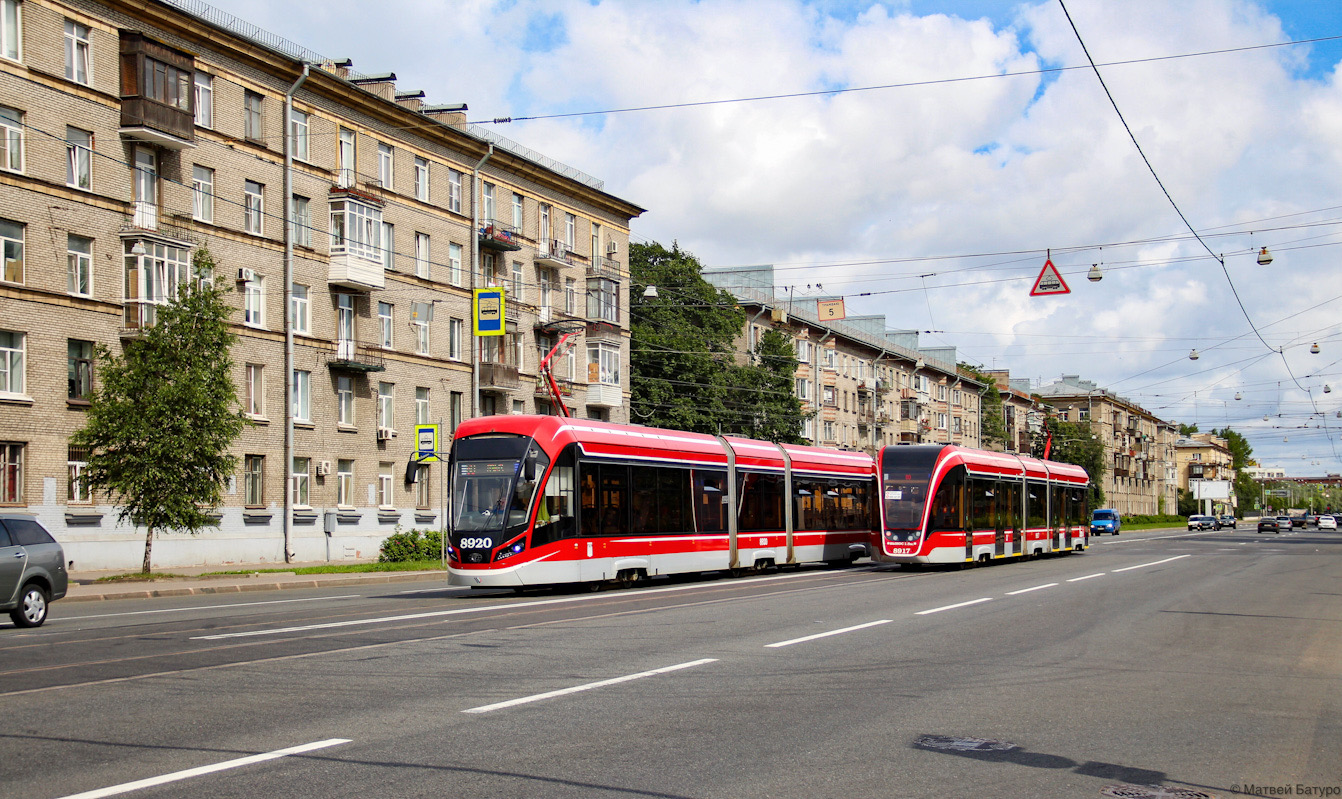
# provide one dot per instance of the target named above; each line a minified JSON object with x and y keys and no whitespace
{"x":1049,"y":281}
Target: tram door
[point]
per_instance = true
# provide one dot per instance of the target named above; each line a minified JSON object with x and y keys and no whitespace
{"x":1015,"y":496}
{"x":1002,"y":501}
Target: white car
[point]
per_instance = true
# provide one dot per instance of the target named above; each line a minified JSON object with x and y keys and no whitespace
{"x":1327,"y":523}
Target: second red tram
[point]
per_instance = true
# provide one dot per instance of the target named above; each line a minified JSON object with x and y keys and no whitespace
{"x":544,"y":500}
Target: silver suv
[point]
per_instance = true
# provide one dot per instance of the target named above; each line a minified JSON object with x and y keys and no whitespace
{"x":32,"y":569}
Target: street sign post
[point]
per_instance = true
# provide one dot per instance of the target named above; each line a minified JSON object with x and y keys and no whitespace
{"x":426,"y":443}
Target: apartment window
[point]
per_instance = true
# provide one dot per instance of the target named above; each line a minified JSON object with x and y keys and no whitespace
{"x":78,"y":158}
{"x":454,"y":272}
{"x":256,"y":390}
{"x":421,"y":179}
{"x":11,"y":361}
{"x":346,"y":157}
{"x":300,"y":221}
{"x":596,"y":241}
{"x":9,"y":29}
{"x":570,"y":231}
{"x":298,"y":481}
{"x":388,"y":246}
{"x":517,"y":211}
{"x":519,"y":407}
{"x":300,"y":126}
{"x":253,"y":206}
{"x":11,"y":238}
{"x":419,"y":320}
{"x":299,"y":308}
{"x":345,"y":317}
{"x":603,"y":300}
{"x":803,"y":351}
{"x":79,"y":265}
{"x":454,"y":332}
{"x":829,"y":396}
{"x":356,"y":229}
{"x":803,"y":388}
{"x":154,"y":278}
{"x":251,"y":115}
{"x":384,"y":484}
{"x":454,"y":409}
{"x":79,"y":369}
{"x":345,"y":483}
{"x":603,"y":363}
{"x":76,"y":462}
{"x":421,"y":405}
{"x":76,"y":52}
{"x":385,"y":165}
{"x":11,"y":139}
{"x":345,"y":400}
{"x":570,"y":296}
{"x":828,"y":431}
{"x":384,"y":325}
{"x":517,"y":282}
{"x":423,"y":486}
{"x":253,"y":480}
{"x":202,"y":193}
{"x":386,"y":417}
{"x":204,"y":100}
{"x":454,"y":191}
{"x":300,"y":396}
{"x":422,"y":255}
{"x":254,"y":302}
{"x":487,"y":203}
{"x":11,"y":474}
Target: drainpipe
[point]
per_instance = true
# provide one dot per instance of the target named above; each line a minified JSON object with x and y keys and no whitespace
{"x":288,"y":311}
{"x":475,"y":270}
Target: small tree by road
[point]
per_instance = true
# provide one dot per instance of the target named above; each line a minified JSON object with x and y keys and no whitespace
{"x":164,"y":414}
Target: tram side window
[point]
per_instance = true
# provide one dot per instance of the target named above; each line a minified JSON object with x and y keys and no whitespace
{"x":673,"y":496}
{"x":983,"y":505}
{"x":643,"y":499}
{"x":806,"y":505}
{"x":554,"y":517}
{"x":1011,"y":505}
{"x":710,"y":493}
{"x":1057,"y":509}
{"x":854,"y":510}
{"x":947,"y":505}
{"x":1036,"y":497}
{"x":760,"y":498}
{"x":1077,"y":510}
{"x":614,"y":499}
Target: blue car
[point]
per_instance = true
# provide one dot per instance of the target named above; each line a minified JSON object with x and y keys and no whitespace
{"x":1105,"y":520}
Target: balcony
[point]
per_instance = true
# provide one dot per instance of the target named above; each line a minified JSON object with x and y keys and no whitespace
{"x":605,"y":394}
{"x":499,"y":236}
{"x":553,"y":252}
{"x":353,"y":356}
{"x":604,"y":267}
{"x":157,"y":104}
{"x":499,"y":376}
{"x":357,"y":272}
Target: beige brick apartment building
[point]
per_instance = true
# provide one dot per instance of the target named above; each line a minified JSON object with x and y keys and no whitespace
{"x":134,"y":133}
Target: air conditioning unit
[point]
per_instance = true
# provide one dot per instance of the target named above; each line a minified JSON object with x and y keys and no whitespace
{"x":246,"y":275}
{"x":385,"y":434}
{"x":323,"y":468}
{"x":612,"y":247}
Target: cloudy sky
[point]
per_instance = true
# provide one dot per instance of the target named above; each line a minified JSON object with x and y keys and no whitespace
{"x":970,"y":142}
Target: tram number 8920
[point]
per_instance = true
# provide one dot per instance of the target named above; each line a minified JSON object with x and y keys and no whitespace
{"x":477,"y":543}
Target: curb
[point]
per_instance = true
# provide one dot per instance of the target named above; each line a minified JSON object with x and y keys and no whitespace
{"x":77,"y":593}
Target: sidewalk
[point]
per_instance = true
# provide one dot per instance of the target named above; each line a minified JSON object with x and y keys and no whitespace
{"x":192,"y":581}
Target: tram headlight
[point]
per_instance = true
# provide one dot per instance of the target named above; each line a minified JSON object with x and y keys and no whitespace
{"x":509,"y":551}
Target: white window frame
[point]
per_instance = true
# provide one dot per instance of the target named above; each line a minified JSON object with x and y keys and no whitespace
{"x":386,"y":406}
{"x":607,"y":359}
{"x":77,"y":491}
{"x":422,"y":396}
{"x":347,"y":157}
{"x":12,"y":256}
{"x":455,"y":275}
{"x":77,"y":52}
{"x":454,"y":191}
{"x":300,"y":480}
{"x":11,"y":139}
{"x":300,"y":397}
{"x":254,"y":302}
{"x":202,"y":193}
{"x":204,"y":91}
{"x":384,"y":486}
{"x":300,"y":131}
{"x":455,"y":330}
{"x":487,"y":203}
{"x":300,"y":220}
{"x":570,"y":231}
{"x":253,"y":207}
{"x":79,"y":158}
{"x":256,"y":390}
{"x":299,"y":308}
{"x":517,"y":212}
{"x":421,"y":179}
{"x":386,"y":335}
{"x":253,"y":115}
{"x":388,"y":246}
{"x":356,"y":229}
{"x":11,"y":30}
{"x":345,"y":401}
{"x":386,"y":165}
{"x":421,"y":327}
{"x":13,"y":364}
{"x":422,"y":255}
{"x":345,"y":483}
{"x":79,"y":265}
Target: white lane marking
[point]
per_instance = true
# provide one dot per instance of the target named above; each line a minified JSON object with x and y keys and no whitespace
{"x":953,"y":607}
{"x":212,"y":607}
{"x":828,"y":634}
{"x":487,"y":608}
{"x":589,"y":686}
{"x":1028,"y":590}
{"x":127,"y":787}
{"x":1152,"y":563}
{"x":1087,"y":577}
{"x":1160,"y":537}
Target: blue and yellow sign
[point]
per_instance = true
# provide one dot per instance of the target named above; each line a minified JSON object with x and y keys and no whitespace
{"x":426,"y":443}
{"x":487,"y":312}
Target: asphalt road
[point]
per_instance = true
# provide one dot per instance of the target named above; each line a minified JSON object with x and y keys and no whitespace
{"x":1204,"y":664}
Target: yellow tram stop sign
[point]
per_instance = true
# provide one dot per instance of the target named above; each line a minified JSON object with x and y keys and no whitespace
{"x":426,"y":443}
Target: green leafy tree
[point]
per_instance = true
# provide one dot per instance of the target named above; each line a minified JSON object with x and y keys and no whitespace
{"x":1186,"y":430}
{"x":1240,"y":448}
{"x":766,"y":404}
{"x":1075,"y":443}
{"x":993,"y":429}
{"x":164,"y":415}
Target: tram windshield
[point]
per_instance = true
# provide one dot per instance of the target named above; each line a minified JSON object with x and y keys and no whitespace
{"x":905,"y":474}
{"x":494,"y":480}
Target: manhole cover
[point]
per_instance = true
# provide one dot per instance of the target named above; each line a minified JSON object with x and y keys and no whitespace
{"x":963,"y":744}
{"x":1154,"y":792}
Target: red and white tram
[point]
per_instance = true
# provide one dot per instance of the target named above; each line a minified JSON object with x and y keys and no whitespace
{"x":947,"y":504}
{"x":544,"y":500}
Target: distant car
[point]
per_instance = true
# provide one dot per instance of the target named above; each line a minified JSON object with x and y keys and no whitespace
{"x":1225,"y":520}
{"x":1201,"y":523}
{"x":1327,"y":523}
{"x":1299,"y":521}
{"x":1285,"y":523}
{"x":32,"y":569}
{"x":1272,"y":524}
{"x":1105,"y":520}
